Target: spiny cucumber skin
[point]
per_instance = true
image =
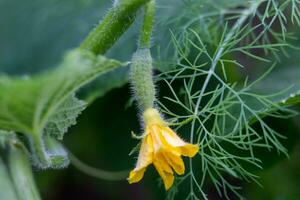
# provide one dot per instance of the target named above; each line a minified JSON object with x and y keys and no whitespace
{"x":141,"y":77}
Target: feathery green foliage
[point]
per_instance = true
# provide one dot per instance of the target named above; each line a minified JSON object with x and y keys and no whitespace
{"x":225,"y":116}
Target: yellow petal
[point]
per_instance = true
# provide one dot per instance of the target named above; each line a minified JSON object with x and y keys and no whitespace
{"x":136,"y":175}
{"x":174,"y":140}
{"x":146,"y":153}
{"x":171,"y":137}
{"x":145,"y":158}
{"x":160,"y":159}
{"x":168,"y":178}
{"x":176,"y":162}
{"x":189,"y":150}
{"x":154,"y":131}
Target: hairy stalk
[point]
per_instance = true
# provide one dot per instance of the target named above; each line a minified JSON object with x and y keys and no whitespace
{"x":7,"y":187}
{"x":141,"y":68}
{"x":146,"y":32}
{"x":142,"y":79}
{"x":21,"y":173}
{"x":112,"y":27}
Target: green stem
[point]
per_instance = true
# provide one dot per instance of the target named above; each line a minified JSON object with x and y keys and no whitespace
{"x":146,"y":32}
{"x":114,"y":24}
{"x":40,"y":157}
{"x":6,"y":185}
{"x":98,"y":173}
{"x":21,"y":174}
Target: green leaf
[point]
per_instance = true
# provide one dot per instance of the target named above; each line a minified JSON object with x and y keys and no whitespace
{"x":285,"y":81}
{"x":59,"y":123}
{"x":44,"y":106}
{"x":44,"y":25}
{"x":281,"y":85}
{"x":51,"y":27}
{"x":103,"y":84}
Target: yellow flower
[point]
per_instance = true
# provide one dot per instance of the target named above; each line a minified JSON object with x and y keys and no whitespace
{"x":162,"y":147}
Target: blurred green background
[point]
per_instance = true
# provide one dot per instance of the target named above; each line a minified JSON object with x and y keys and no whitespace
{"x":35,"y":34}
